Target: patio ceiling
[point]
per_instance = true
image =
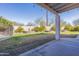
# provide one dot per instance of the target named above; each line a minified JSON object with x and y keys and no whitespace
{"x":59,"y":7}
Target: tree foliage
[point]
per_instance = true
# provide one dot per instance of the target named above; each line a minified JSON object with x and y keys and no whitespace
{"x":19,"y":30}
{"x":76,"y":22}
{"x":69,"y":27}
{"x":39,"y":29}
{"x":40,"y":22}
{"x":76,"y":28}
{"x":30,"y":24}
{"x":4,"y":23}
{"x":53,"y":28}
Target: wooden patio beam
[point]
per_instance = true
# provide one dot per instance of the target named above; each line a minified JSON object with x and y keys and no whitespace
{"x":48,"y":7}
{"x":68,"y":7}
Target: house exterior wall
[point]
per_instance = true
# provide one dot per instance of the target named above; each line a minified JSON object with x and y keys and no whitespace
{"x":26,"y":28}
{"x":29,"y":28}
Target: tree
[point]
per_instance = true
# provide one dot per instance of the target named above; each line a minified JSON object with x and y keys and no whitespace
{"x":30,"y":24}
{"x":19,"y":30}
{"x":53,"y":28}
{"x":46,"y":17}
{"x":76,"y":28}
{"x":62,"y":24}
{"x":69,"y":27}
{"x":17,"y":24}
{"x":76,"y":22}
{"x":4,"y":23}
{"x":40,"y":22}
{"x":39,"y":29}
{"x":51,"y":22}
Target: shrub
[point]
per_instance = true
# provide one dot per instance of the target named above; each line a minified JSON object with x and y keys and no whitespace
{"x":69,"y":28}
{"x":76,"y":28}
{"x":53,"y":28}
{"x":19,"y":30}
{"x":39,"y":29}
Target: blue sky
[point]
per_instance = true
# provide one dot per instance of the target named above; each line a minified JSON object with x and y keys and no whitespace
{"x":24,"y":13}
{"x":70,"y":16}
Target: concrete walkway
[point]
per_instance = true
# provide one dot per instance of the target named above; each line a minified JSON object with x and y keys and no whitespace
{"x":69,"y":47}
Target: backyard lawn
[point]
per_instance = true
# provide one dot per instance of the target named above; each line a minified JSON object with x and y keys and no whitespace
{"x":20,"y":43}
{"x":31,"y":34}
{"x":69,"y":32}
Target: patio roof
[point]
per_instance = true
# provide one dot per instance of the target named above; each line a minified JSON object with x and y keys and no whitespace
{"x":59,"y":7}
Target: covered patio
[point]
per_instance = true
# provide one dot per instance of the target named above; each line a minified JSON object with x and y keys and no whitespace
{"x":56,"y":9}
{"x":64,"y":47}
{"x":60,"y":46}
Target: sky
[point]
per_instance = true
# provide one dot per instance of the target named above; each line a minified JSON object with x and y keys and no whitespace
{"x":28,"y":12}
{"x":70,"y":16}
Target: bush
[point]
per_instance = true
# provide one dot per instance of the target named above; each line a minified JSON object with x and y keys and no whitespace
{"x":53,"y":28}
{"x":69,"y":28}
{"x":19,"y":30}
{"x":76,"y":28}
{"x":39,"y":29}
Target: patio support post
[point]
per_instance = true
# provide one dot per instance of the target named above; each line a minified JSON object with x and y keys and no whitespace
{"x":57,"y":23}
{"x":57,"y":20}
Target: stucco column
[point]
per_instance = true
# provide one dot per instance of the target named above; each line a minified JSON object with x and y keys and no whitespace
{"x":57,"y":23}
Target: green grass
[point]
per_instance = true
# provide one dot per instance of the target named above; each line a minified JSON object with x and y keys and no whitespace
{"x":68,"y":32}
{"x":19,"y":40}
{"x":42,"y":33}
{"x":31,"y":34}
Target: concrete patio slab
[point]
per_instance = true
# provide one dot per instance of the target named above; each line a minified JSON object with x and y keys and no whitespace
{"x":56,"y":48}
